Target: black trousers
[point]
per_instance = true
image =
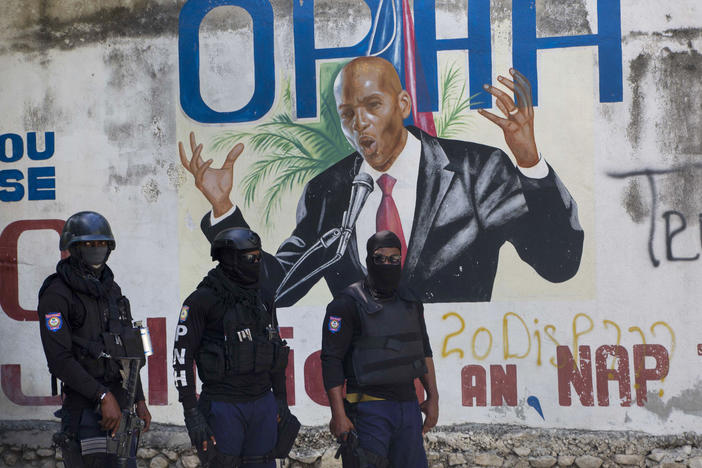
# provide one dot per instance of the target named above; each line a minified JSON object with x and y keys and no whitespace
{"x":83,"y":426}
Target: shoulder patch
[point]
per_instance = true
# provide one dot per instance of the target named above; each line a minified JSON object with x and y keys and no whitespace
{"x":184,"y":314}
{"x":334,"y":324}
{"x":54,"y":321}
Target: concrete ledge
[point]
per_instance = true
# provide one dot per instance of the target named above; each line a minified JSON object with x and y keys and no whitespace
{"x":28,"y":443}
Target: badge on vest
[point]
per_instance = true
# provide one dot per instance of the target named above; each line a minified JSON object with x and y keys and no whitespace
{"x":184,"y":314}
{"x":334,"y":324}
{"x":54,"y":321}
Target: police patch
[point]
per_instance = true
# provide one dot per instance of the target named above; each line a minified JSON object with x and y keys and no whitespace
{"x":54,"y":321}
{"x":334,"y":324}
{"x":184,"y":314}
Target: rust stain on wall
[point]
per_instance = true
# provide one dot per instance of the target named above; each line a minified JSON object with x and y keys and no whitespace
{"x":638,"y":68}
{"x":678,"y":80}
{"x":633,"y":201}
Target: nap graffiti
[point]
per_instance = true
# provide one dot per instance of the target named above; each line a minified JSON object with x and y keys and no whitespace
{"x":576,"y":375}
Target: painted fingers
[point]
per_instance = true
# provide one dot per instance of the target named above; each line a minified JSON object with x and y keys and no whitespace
{"x":520,"y":111}
{"x":196,"y":165}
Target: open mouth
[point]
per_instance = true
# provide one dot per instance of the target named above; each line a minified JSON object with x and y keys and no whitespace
{"x":368,"y":144}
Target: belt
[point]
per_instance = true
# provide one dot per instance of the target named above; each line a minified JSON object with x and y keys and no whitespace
{"x":361,"y":397}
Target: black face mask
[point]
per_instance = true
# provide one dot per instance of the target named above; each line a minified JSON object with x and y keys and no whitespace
{"x":238,"y":269}
{"x":383,"y":279}
{"x":91,"y":257}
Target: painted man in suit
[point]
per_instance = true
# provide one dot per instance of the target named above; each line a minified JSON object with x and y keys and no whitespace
{"x":452,"y":203}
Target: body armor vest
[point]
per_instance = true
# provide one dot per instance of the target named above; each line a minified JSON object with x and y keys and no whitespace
{"x":250,"y":344}
{"x":100,"y":337}
{"x":390,"y":348}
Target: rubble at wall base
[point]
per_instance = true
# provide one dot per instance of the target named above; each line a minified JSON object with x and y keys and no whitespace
{"x":28,"y":443}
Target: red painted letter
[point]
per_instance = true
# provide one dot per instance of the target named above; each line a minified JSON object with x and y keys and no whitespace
{"x":642,"y":375}
{"x":503,"y":384}
{"x":314,"y":386}
{"x":11,"y":380}
{"x":286,"y":333}
{"x":604,"y":375}
{"x":158,"y":362}
{"x":9,"y":277}
{"x":568,"y":373}
{"x":473,"y":391}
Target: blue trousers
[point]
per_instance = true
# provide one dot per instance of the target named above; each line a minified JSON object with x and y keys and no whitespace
{"x":392,"y":429}
{"x":245,"y":429}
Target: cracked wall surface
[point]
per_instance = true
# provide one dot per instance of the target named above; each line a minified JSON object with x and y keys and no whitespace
{"x":104,"y":77}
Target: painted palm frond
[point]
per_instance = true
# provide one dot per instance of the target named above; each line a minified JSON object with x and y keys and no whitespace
{"x":290,"y":152}
{"x":314,"y":136}
{"x":287,"y":94}
{"x":295,"y":172}
{"x":452,"y":120}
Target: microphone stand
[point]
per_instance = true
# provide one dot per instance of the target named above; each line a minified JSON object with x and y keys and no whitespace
{"x":326,"y":241}
{"x":362,"y":185}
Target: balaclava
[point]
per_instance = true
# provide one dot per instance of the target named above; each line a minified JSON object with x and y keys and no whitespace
{"x":239,"y":270}
{"x":383,"y":280}
{"x":91,"y":259}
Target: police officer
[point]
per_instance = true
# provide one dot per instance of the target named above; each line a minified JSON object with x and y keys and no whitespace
{"x":377,"y":343}
{"x":229,"y":327}
{"x":85,"y":322}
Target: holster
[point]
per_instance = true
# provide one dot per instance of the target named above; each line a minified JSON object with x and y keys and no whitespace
{"x":70,"y":449}
{"x":67,"y":439}
{"x":213,"y":458}
{"x":350,"y":450}
{"x":288,"y":428}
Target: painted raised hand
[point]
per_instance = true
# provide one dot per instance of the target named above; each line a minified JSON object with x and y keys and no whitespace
{"x":518,"y":121}
{"x":215,"y":184}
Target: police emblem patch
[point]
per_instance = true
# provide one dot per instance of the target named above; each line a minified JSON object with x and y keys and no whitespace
{"x":183,"y":314}
{"x":334,"y":324}
{"x":54,"y":321}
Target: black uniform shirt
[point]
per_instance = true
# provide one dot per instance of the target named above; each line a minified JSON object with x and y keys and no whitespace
{"x":59,"y":314}
{"x":202,"y":311}
{"x":337,"y":350}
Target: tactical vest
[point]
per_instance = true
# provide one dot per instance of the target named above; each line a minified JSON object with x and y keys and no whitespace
{"x":98,"y":338}
{"x":250,"y":344}
{"x":390,"y":348}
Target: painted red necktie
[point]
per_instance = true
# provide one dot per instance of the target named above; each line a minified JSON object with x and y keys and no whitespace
{"x":388,"y":218}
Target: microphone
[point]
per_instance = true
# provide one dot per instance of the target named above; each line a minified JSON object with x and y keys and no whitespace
{"x":361,"y":187}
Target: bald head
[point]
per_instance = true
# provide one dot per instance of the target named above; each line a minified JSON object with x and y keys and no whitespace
{"x":372,"y":106}
{"x":369,"y":68}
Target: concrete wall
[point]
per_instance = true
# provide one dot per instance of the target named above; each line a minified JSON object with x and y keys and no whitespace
{"x":102,"y":81}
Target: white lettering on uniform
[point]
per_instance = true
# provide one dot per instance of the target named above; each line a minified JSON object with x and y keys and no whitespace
{"x":181,"y":330}
{"x":179,"y":356}
{"x":180,"y":378}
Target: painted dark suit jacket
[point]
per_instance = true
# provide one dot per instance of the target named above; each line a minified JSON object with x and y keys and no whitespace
{"x":470,"y":200}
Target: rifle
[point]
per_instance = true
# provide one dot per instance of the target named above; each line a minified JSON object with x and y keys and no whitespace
{"x":130,"y":426}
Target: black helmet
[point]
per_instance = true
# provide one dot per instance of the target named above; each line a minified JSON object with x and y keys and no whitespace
{"x":235,"y":238}
{"x":86,"y":226}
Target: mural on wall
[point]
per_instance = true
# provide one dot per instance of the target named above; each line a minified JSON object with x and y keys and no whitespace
{"x":469,"y":197}
{"x":554,"y":246}
{"x":457,"y":204}
{"x":385,"y":152}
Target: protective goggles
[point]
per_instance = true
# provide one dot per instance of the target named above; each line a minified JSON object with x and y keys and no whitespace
{"x":380,"y":259}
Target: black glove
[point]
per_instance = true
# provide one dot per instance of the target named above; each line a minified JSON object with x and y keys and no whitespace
{"x":198,"y":430}
{"x":283,"y":410}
